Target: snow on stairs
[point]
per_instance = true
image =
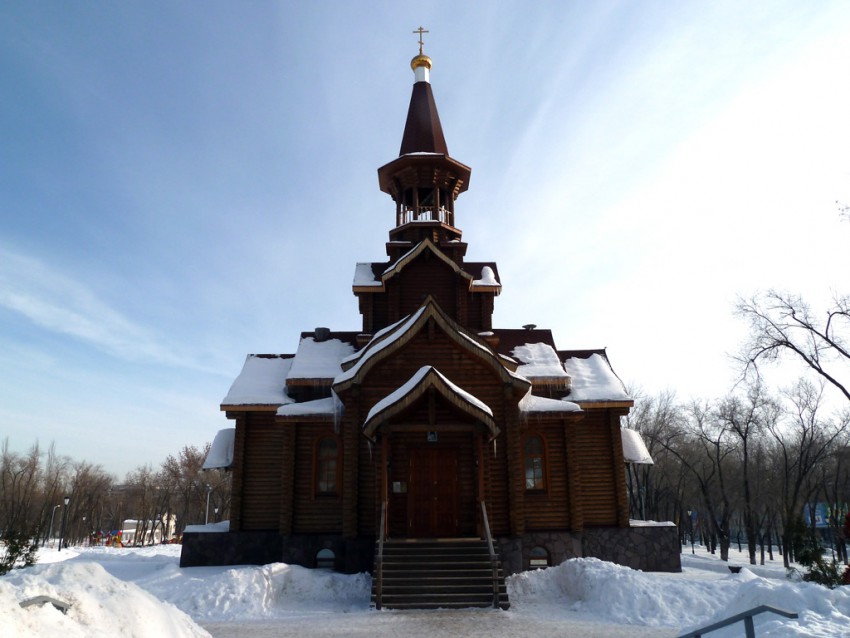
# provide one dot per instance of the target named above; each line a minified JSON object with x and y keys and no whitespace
{"x":439,"y":574}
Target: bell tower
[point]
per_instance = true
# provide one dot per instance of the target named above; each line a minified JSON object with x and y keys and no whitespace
{"x":425,"y":249}
{"x":424,"y":181}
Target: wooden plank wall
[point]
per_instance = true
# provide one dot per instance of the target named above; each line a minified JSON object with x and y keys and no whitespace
{"x":421,"y":277}
{"x":368,"y":497}
{"x":598,"y":485}
{"x":314,"y":514}
{"x":261,"y":485}
{"x":548,"y":509}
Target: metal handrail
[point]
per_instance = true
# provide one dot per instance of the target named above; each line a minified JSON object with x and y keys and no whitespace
{"x":379,"y":559}
{"x":746,"y":616}
{"x":494,"y":560}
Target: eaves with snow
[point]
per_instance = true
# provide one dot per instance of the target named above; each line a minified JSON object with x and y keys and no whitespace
{"x":592,"y":380}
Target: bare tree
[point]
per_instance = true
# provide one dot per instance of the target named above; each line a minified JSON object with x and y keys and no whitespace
{"x":705,"y":450}
{"x":656,"y":491}
{"x":802,"y":442}
{"x":781,"y":323}
{"x":746,"y":418}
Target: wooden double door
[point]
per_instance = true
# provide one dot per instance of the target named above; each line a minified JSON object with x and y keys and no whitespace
{"x":433,"y":492}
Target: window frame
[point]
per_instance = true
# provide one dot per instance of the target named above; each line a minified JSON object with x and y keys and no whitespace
{"x":544,"y":463}
{"x":318,"y":468}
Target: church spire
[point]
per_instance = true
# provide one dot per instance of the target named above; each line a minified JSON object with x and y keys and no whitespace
{"x":424,"y":181}
{"x":423,"y":132}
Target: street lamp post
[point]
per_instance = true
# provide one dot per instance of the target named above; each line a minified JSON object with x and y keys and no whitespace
{"x":52,"y":514}
{"x":207,"y":516}
{"x":67,"y":500}
{"x":691,"y":526}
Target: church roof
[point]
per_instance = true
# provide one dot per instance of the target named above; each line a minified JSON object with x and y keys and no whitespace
{"x":539,"y":361}
{"x":594,"y":380}
{"x":387,"y":341}
{"x":423,"y":132}
{"x":262,"y":382}
{"x":318,"y":361}
{"x":533,"y":404}
{"x":371,"y":276}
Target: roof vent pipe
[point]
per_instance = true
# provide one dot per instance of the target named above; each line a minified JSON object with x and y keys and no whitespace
{"x":530,"y":326}
{"x":322,"y":334}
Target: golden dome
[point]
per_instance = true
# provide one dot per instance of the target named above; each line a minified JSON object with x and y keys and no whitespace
{"x":420,"y":60}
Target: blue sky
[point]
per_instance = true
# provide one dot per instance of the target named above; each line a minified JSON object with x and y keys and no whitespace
{"x":185,"y":183}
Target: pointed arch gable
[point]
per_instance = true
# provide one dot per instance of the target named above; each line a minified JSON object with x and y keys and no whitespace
{"x":422,"y":246}
{"x":391,"y":343}
{"x":413,"y":390}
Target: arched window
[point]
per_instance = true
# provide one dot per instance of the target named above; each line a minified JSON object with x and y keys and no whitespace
{"x":535,"y":463}
{"x":325,"y":559}
{"x":327,"y":466}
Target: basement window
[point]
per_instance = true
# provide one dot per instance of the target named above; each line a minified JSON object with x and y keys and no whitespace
{"x":538,"y":557}
{"x":325,"y":559}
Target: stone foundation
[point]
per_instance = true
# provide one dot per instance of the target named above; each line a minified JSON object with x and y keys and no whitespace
{"x":259,"y":548}
{"x":648,"y":548}
{"x":652,"y":548}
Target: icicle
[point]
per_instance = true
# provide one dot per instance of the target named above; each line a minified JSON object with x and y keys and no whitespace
{"x":494,"y":448}
{"x":369,"y":443}
{"x":339,"y":408}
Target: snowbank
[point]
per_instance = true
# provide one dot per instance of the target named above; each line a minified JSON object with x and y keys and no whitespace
{"x":101,"y":605}
{"x":143,"y":592}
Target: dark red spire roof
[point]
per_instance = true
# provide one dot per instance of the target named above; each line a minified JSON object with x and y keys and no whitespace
{"x":423,"y":132}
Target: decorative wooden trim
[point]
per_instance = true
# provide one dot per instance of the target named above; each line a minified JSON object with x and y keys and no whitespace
{"x":516,"y":473}
{"x":574,"y":495}
{"x":603,"y":404}
{"x":350,"y":473}
{"x":451,"y":329}
{"x":619,"y":464}
{"x":238,"y":473}
{"x":431,"y":381}
{"x":239,"y":409}
{"x":287,"y":480}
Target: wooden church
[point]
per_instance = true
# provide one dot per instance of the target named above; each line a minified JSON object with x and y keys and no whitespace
{"x":428,"y":437}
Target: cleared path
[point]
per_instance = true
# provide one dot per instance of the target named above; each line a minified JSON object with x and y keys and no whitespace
{"x":432,"y":624}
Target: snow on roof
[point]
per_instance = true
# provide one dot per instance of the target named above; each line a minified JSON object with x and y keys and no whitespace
{"x":319,"y":359}
{"x":262,"y":381}
{"x":538,"y":360}
{"x":364,"y":275}
{"x":329,"y":406}
{"x":220,"y":455}
{"x":403,"y":390}
{"x":371,"y":352}
{"x":488,"y":278}
{"x":634,"y":449}
{"x":594,"y":380}
{"x":533,"y":403}
{"x":375,"y":337}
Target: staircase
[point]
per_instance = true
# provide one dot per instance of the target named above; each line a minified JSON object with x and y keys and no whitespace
{"x":438,"y":574}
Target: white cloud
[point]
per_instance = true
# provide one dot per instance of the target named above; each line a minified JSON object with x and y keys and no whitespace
{"x":58,"y":303}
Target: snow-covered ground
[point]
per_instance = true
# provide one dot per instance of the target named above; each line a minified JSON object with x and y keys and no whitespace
{"x":143,"y":592}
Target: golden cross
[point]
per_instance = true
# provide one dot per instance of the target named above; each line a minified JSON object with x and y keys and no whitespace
{"x":420,"y":31}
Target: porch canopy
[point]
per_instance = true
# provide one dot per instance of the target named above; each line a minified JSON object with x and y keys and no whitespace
{"x":413,"y":389}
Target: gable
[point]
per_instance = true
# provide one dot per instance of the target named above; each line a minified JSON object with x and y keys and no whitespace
{"x":415,"y":388}
{"x":397,"y":336}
